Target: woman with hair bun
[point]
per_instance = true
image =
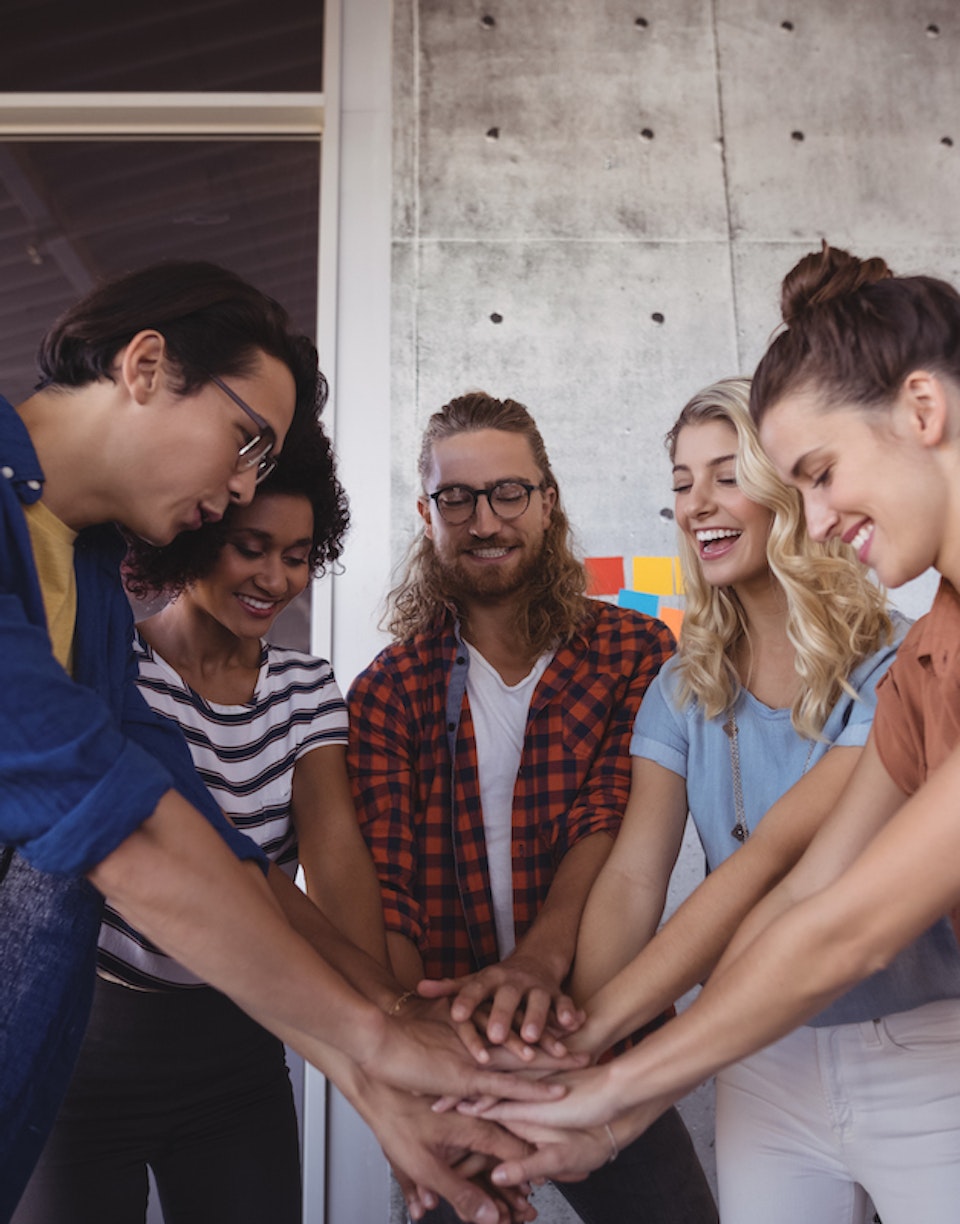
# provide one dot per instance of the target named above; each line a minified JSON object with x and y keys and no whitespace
{"x":858,"y":405}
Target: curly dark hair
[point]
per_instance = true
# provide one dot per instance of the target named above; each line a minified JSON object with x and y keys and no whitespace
{"x":306,"y":467}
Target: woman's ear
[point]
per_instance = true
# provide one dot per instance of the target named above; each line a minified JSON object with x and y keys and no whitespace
{"x":140,"y":364}
{"x":926,"y":399}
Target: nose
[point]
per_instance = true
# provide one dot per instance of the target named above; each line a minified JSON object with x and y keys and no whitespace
{"x":271,"y":577}
{"x":484,"y":522}
{"x":823,"y":522}
{"x":698,"y":499}
{"x":242,"y":485}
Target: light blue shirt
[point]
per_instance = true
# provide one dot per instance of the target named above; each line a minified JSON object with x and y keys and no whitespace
{"x":772,"y":758}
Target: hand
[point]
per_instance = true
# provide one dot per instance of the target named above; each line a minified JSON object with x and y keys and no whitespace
{"x":568,"y":1154}
{"x":440,"y":1155}
{"x":426,"y":1056}
{"x":512,"y":1201}
{"x":518,"y":984}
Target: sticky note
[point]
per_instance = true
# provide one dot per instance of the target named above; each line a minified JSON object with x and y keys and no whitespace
{"x":678,"y":577}
{"x":653,"y":574}
{"x":604,"y":575}
{"x":672,"y":618}
{"x":640,"y":601}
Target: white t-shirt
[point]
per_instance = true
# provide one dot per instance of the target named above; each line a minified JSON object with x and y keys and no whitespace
{"x":499,"y":713}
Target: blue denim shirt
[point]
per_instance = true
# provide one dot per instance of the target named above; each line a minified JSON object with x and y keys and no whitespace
{"x":83,"y":762}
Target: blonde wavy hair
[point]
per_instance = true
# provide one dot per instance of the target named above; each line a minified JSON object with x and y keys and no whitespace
{"x":557,"y":604}
{"x":836,"y":616}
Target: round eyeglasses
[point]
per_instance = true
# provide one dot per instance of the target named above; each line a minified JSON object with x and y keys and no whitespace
{"x":508,"y":499}
{"x":258,"y":451}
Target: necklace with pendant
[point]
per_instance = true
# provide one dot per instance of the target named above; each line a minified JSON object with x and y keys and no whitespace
{"x":741,"y":830}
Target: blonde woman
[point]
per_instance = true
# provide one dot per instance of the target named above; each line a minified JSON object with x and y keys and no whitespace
{"x":767,"y":705}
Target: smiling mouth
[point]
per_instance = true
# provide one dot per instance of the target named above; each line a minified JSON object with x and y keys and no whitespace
{"x":257,"y":605}
{"x":862,"y":536}
{"x":715,"y":539}
{"x":489,"y":554}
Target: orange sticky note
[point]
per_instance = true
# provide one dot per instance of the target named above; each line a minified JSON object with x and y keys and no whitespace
{"x":604,"y":575}
{"x":653,"y":574}
{"x":672,"y":618}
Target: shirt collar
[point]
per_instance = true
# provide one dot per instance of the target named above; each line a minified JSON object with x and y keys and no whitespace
{"x":18,"y":460}
{"x":938,"y":633}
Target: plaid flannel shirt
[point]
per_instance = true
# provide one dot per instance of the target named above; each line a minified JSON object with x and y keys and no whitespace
{"x":413,"y":765}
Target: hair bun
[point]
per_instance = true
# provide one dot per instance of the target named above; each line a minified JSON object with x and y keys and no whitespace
{"x":824,"y":275}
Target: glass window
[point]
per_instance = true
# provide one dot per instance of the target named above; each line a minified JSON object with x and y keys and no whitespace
{"x":74,"y":212}
{"x":179,"y":45}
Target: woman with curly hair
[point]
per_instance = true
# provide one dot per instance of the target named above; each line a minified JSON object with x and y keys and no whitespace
{"x":766,"y":708}
{"x":172,"y":1075}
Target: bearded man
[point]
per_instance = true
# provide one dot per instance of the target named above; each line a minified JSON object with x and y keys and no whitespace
{"x":490,"y":762}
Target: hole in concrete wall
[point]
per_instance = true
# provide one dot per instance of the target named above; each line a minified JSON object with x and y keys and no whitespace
{"x":657,"y":317}
{"x":493,"y":133}
{"x":947,"y":140}
{"x":488,"y":21}
{"x":933,"y":30}
{"x":786,"y":25}
{"x":667,"y":514}
{"x":641,"y":22}
{"x":646,"y":134}
{"x":797,"y":136}
{"x":496,"y":318}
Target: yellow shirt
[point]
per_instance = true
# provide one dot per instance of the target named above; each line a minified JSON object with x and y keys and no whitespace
{"x":53,"y":543}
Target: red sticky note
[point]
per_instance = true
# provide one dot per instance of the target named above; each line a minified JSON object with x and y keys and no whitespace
{"x":604,"y":575}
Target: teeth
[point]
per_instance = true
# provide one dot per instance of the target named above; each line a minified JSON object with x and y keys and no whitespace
{"x":490,"y":552}
{"x":717,"y":533}
{"x":261,"y":605}
{"x":861,"y":537}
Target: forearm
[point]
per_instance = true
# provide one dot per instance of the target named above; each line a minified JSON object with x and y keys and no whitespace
{"x":552,"y":938}
{"x":364,"y":972}
{"x":175,"y":880}
{"x":405,"y":959}
{"x":683,"y":952}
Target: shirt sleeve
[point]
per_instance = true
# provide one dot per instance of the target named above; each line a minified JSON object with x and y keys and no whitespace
{"x":381,"y":760}
{"x":602,"y":797}
{"x":660,"y":731}
{"x":73,"y":786}
{"x":858,"y":713}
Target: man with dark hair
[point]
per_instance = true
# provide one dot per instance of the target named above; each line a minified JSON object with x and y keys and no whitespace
{"x":489,"y":757}
{"x":145,"y":418}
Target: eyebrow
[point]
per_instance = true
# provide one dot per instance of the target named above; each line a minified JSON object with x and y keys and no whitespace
{"x":797,"y":469}
{"x":685,"y":467}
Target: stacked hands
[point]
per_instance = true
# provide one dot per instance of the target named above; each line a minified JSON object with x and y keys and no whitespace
{"x":524,"y":1108}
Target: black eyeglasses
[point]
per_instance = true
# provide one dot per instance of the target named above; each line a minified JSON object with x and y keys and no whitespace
{"x":257,"y":452}
{"x":508,"y":499}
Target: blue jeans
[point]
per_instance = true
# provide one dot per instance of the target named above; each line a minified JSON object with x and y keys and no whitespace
{"x":657,"y":1179}
{"x":48,"y":942}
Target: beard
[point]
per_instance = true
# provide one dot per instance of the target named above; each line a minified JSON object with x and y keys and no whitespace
{"x":498,"y":582}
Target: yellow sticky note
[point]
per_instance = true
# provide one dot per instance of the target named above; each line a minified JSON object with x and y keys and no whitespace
{"x":653,"y":574}
{"x":678,"y":577}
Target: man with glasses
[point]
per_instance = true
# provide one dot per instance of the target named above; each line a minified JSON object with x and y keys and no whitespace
{"x":143,"y":418}
{"x":490,"y":763}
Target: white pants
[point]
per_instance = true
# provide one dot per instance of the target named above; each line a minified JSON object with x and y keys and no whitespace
{"x":807,"y":1126}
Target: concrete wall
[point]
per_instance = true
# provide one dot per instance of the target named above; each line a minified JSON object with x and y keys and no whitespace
{"x":594,"y":204}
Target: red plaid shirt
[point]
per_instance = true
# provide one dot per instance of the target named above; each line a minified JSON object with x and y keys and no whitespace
{"x":413,"y":764}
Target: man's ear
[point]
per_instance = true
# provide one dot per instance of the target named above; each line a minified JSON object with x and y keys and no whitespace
{"x":549,"y":499}
{"x":141,"y":364}
{"x":925,"y":399}
{"x":423,"y":507}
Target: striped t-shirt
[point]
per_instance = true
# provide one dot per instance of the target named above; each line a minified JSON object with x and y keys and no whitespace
{"x":246,"y":756}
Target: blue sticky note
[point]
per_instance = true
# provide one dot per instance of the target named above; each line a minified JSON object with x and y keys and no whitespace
{"x":640,"y":601}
